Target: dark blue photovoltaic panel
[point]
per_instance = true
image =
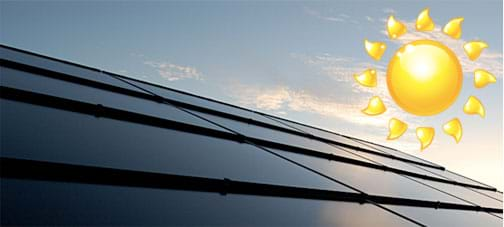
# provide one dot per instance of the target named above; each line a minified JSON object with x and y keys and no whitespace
{"x":453,"y":176}
{"x":466,"y":194}
{"x":443,"y":217}
{"x":48,"y":203}
{"x":395,"y":152}
{"x":181,"y":97}
{"x":66,"y":137}
{"x":342,"y":139}
{"x":60,"y":67}
{"x":373,"y":181}
{"x":323,"y":134}
{"x":443,"y":174}
{"x":44,"y":85}
{"x":279,"y":137}
{"x":394,"y":163}
{"x":49,"y":134}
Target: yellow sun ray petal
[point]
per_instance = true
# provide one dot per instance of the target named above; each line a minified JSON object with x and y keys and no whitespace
{"x":425,"y":135}
{"x":375,"y":107}
{"x":473,"y":49}
{"x":454,"y":27}
{"x":482,"y":78}
{"x":424,"y":21}
{"x":366,"y":78}
{"x":375,"y":49}
{"x":396,"y":128}
{"x":395,"y":28}
{"x":454,"y":129}
{"x":474,"y":106}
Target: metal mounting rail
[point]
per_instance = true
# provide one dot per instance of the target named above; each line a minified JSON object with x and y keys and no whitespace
{"x":51,"y":171}
{"x":133,"y":93}
{"x":100,"y":110}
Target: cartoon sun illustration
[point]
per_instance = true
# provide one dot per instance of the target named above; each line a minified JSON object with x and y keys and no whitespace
{"x":424,"y":77}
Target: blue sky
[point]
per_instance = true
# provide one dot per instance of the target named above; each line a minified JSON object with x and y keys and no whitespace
{"x":292,"y":59}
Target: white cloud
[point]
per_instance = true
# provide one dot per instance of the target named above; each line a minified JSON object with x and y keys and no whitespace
{"x":282,"y":99}
{"x":344,"y":15}
{"x":340,"y":69}
{"x":338,"y":18}
{"x":389,"y":11}
{"x":488,"y":60}
{"x":173,"y":72}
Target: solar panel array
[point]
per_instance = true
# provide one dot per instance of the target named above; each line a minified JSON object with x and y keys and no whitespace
{"x":83,"y":146}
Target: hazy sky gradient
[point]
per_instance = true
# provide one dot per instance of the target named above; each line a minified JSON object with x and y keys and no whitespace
{"x":292,"y":59}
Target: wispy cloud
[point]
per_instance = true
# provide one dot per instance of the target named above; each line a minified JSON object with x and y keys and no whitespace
{"x":389,"y":11}
{"x":338,"y":68}
{"x":283,"y":99}
{"x":340,"y":71}
{"x":335,"y":18}
{"x":173,"y":72}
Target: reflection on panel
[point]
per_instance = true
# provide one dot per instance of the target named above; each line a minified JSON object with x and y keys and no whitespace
{"x":444,"y":217}
{"x":373,"y":181}
{"x":363,"y":145}
{"x":494,"y":195}
{"x":181,"y":97}
{"x":50,"y":203}
{"x":326,"y":135}
{"x":453,"y":176}
{"x":56,"y":66}
{"x":395,"y":152}
{"x":88,"y":140}
{"x":434,"y":172}
{"x":450,"y":175}
{"x":466,"y":194}
{"x":39,"y":84}
{"x":279,"y":137}
{"x":400,"y":165}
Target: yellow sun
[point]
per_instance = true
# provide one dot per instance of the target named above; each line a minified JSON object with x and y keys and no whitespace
{"x":424,"y":77}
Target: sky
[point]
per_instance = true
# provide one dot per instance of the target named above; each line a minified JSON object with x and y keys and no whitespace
{"x":295,"y":60}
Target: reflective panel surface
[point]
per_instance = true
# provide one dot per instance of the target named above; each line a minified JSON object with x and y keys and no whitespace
{"x":88,"y":140}
{"x":82,"y":204}
{"x":60,"y":67}
{"x":444,"y":217}
{"x":373,"y":181}
{"x":279,"y":137}
{"x":44,"y":85}
{"x":200,"y":101}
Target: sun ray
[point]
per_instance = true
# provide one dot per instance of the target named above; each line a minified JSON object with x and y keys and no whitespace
{"x":395,"y":28}
{"x":375,"y":49}
{"x":474,"y":106}
{"x":454,"y":129}
{"x":366,"y":78}
{"x":375,"y":107}
{"x":482,"y":78}
{"x":424,"y":21}
{"x":425,"y":135}
{"x":473,"y":49}
{"x":454,"y":27}
{"x":396,"y":128}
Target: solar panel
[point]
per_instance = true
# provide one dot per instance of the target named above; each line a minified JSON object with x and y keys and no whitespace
{"x":112,"y":205}
{"x":81,"y":146}
{"x":357,"y":143}
{"x":138,"y":147}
